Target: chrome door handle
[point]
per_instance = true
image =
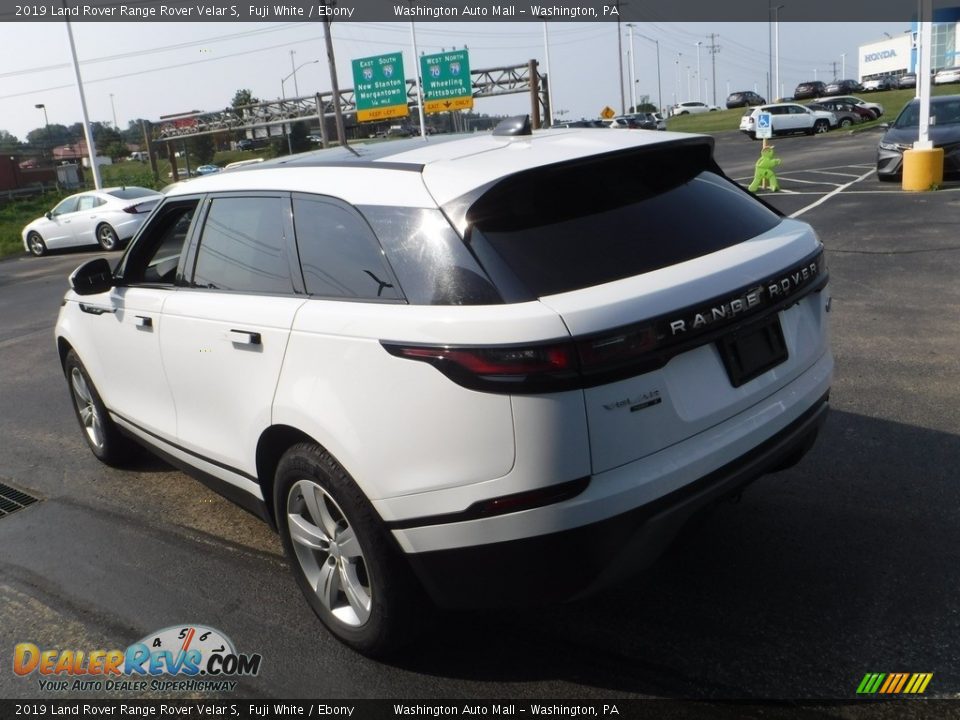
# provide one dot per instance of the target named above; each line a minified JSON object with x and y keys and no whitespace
{"x":244,"y":337}
{"x":144,"y":321}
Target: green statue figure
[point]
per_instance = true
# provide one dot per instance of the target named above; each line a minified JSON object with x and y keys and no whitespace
{"x":764,"y":175}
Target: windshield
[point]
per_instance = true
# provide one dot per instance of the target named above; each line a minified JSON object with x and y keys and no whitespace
{"x":131,"y":193}
{"x":942,"y":112}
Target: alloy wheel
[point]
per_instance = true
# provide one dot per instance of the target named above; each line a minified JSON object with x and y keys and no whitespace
{"x":329,"y":553}
{"x":86,"y":408}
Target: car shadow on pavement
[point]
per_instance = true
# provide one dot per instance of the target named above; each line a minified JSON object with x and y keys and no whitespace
{"x":840,"y":566}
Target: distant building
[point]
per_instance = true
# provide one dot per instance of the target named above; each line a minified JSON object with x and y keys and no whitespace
{"x":896,"y":56}
{"x":72,"y":152}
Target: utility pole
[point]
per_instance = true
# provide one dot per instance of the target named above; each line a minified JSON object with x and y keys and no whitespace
{"x":834,"y":66}
{"x":334,"y":85}
{"x":714,"y":48}
{"x":843,"y":60}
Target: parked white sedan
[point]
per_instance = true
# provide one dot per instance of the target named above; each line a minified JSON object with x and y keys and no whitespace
{"x":692,"y":107}
{"x":106,"y":217}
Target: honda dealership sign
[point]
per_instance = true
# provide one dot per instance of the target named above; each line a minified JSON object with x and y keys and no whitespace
{"x":886,"y":57}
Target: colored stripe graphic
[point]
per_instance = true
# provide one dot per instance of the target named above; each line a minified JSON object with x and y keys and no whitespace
{"x":894,"y":683}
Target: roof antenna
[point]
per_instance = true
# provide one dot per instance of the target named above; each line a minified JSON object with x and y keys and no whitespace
{"x":516,"y":125}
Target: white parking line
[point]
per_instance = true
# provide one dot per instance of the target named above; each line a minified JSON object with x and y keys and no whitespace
{"x":829,"y":195}
{"x":809,"y":182}
{"x":829,"y":172}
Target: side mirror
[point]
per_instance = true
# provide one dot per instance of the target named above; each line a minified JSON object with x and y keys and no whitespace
{"x":93,"y":277}
{"x":884,"y":126}
{"x":48,"y":214}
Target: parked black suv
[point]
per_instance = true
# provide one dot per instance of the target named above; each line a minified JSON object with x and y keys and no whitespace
{"x":806,"y":90}
{"x":745,"y":98}
{"x":843,"y":87}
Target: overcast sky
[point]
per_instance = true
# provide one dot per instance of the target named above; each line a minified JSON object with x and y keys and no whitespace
{"x":154,"y":69}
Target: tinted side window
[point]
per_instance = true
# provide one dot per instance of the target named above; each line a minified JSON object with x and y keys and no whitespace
{"x":431,"y":261}
{"x":87,"y":202}
{"x":242,"y":246}
{"x":153,"y":259}
{"x":339,"y":254}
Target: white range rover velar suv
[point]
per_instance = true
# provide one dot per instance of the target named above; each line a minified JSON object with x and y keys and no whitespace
{"x":485,"y":370}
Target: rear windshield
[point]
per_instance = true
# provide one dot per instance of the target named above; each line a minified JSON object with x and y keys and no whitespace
{"x":942,"y":112}
{"x":561,"y":228}
{"x":131,"y":193}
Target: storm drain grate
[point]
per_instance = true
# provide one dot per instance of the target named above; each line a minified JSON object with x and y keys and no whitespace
{"x":12,"y":500}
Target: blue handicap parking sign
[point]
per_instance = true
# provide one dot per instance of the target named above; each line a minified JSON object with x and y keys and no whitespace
{"x":763,"y":120}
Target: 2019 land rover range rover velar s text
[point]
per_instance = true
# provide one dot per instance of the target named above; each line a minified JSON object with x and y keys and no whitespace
{"x":491,"y":370}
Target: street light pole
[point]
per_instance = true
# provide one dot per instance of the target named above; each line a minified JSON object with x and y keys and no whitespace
{"x":283,"y":94}
{"x":416,"y":63}
{"x":776,"y":51}
{"x":699,"y":43}
{"x":659,"y":85}
{"x":88,"y":135}
{"x":633,"y":84}
{"x":296,"y":90}
{"x":546,"y":56}
{"x":46,"y":124}
{"x":676,"y":94}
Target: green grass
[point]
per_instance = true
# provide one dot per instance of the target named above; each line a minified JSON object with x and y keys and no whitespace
{"x":17,"y":213}
{"x":892,"y":101}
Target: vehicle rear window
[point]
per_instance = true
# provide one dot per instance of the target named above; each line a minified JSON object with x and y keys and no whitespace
{"x":131,"y":193}
{"x":565,"y":227}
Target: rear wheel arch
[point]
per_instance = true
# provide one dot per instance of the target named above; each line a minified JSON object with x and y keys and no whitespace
{"x":271,"y":447}
{"x":273,"y":443}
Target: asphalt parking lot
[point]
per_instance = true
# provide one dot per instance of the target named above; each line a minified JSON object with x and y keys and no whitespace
{"x":841,"y":566}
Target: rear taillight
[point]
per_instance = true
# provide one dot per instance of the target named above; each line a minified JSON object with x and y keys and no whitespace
{"x":540,"y":368}
{"x":135,"y":209}
{"x":537,"y":368}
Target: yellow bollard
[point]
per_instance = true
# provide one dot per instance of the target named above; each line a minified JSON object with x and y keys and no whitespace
{"x":922,"y":169}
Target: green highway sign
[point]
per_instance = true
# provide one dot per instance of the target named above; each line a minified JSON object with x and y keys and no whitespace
{"x":446,"y":81}
{"x":379,"y":87}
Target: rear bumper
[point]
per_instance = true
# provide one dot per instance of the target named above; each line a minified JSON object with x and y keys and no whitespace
{"x":571,"y":563}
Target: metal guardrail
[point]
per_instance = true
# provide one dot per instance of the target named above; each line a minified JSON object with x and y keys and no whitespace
{"x":16,"y":194}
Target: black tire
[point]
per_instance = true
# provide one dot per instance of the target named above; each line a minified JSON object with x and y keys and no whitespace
{"x":38,"y":247}
{"x":107,"y":237}
{"x":846,"y":122}
{"x":373,"y":603}
{"x":821,"y":126}
{"x":100,"y":432}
